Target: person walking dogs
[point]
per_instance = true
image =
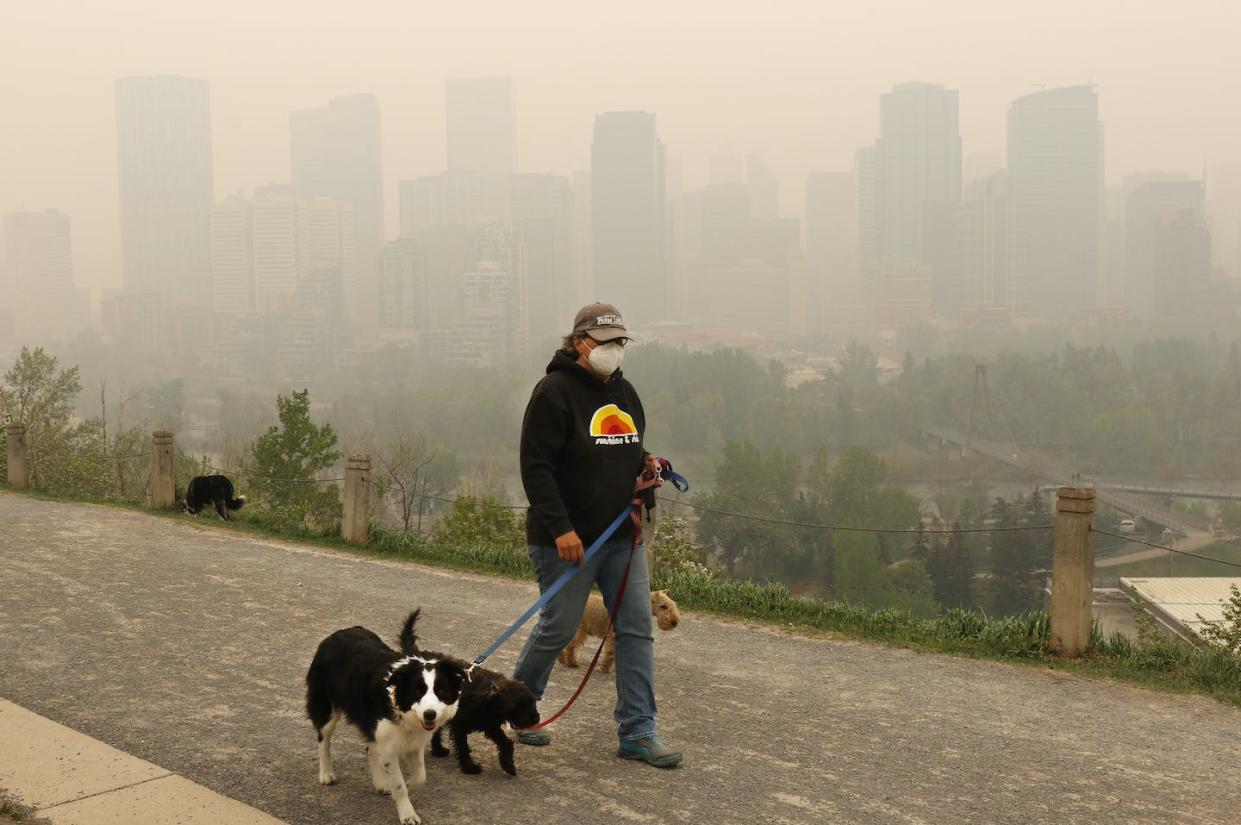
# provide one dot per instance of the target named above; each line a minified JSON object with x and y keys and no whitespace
{"x":581,"y":454}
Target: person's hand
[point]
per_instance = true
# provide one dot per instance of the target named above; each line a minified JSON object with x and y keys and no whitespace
{"x":570,"y":548}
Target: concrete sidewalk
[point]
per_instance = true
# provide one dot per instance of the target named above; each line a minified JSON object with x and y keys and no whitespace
{"x":188,"y":647}
{"x":69,"y":778}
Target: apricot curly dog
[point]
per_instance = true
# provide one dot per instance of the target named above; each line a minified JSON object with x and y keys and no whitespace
{"x":595,"y":623}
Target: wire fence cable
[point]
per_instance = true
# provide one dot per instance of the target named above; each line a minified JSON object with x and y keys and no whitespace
{"x":855,"y":529}
{"x":1227,"y":562}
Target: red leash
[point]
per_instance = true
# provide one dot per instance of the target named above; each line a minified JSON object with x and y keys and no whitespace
{"x":620,"y":597}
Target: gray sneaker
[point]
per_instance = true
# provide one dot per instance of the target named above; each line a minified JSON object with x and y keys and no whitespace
{"x":538,"y":738}
{"x":651,"y":750}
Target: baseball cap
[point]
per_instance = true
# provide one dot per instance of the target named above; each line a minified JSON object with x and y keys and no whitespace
{"x":602,"y":322}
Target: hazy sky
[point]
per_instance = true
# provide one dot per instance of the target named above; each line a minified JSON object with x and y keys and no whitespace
{"x":797,"y":82}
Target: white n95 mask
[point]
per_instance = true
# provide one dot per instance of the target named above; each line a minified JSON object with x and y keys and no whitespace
{"x":606,"y":358}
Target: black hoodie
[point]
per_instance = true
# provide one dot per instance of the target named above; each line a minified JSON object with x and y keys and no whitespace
{"x":581,"y":452}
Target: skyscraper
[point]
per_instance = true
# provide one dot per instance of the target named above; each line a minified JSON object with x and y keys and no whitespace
{"x":336,"y":153}
{"x":479,"y":116}
{"x":738,"y":268}
{"x":403,"y":289}
{"x":764,"y":188}
{"x":978,"y":275}
{"x":628,"y":215}
{"x":434,"y":200}
{"x":1055,"y":184}
{"x":232,"y":276}
{"x":832,"y":243}
{"x":264,"y":250}
{"x":1167,"y":248}
{"x":326,"y":246}
{"x":918,"y":157}
{"x":274,"y":255}
{"x":35,"y":250}
{"x":163,"y":139}
{"x":583,"y":237}
{"x":866,"y":173}
{"x":543,"y":223}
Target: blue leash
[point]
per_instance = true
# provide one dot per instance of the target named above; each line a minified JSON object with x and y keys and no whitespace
{"x":556,"y":586}
{"x":678,"y":481}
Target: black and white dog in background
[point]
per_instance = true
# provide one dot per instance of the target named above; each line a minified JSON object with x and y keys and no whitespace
{"x":397,"y":702}
{"x":214,"y":490}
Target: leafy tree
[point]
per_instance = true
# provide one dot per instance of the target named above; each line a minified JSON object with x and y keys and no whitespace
{"x":749,"y":482}
{"x":910,"y":588}
{"x":1016,"y":584}
{"x":37,"y":394}
{"x":412,"y":473}
{"x":1038,"y":513}
{"x":474,"y":522}
{"x":287,"y":459}
{"x":854,"y":494}
{"x":858,"y":574}
{"x":1226,"y":633}
{"x":861,"y":578}
{"x":951,"y":567}
{"x":673,"y":553}
{"x":77,"y":461}
{"x":128,"y":443}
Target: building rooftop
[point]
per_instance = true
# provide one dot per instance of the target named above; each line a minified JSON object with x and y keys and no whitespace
{"x":1178,"y":602}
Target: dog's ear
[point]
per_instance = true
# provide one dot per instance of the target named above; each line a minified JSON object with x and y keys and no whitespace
{"x":454,"y":675}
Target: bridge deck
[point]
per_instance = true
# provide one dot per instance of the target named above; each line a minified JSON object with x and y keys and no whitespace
{"x":1042,"y":468}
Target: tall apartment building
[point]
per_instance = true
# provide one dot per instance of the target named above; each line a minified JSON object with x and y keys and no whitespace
{"x":336,"y":153}
{"x":163,"y":140}
{"x":1055,"y":186}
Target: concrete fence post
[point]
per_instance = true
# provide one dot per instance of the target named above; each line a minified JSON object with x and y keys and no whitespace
{"x":1072,"y":572}
{"x":15,"y":437}
{"x":356,"y":507}
{"x":163,"y":470}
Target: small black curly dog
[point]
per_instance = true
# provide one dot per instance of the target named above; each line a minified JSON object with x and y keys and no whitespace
{"x":488,"y":701}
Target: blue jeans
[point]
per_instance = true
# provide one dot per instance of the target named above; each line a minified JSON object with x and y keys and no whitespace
{"x":635,"y":646}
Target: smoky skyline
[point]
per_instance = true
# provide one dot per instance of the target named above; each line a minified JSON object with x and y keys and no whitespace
{"x":798,"y":86}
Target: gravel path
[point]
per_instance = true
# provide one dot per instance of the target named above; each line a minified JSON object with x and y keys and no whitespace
{"x":187,"y":646}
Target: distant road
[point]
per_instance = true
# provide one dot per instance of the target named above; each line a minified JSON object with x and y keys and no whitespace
{"x":1190,"y":544}
{"x":187,"y":646}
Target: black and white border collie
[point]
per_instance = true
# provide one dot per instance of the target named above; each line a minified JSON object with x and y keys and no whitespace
{"x":215,"y":490}
{"x":397,"y":702}
{"x":489,"y":701}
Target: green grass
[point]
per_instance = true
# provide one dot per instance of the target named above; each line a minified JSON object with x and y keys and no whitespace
{"x":1159,"y":663}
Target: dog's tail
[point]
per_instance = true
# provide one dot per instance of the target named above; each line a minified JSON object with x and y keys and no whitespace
{"x":408,"y":639}
{"x":237,"y":503}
